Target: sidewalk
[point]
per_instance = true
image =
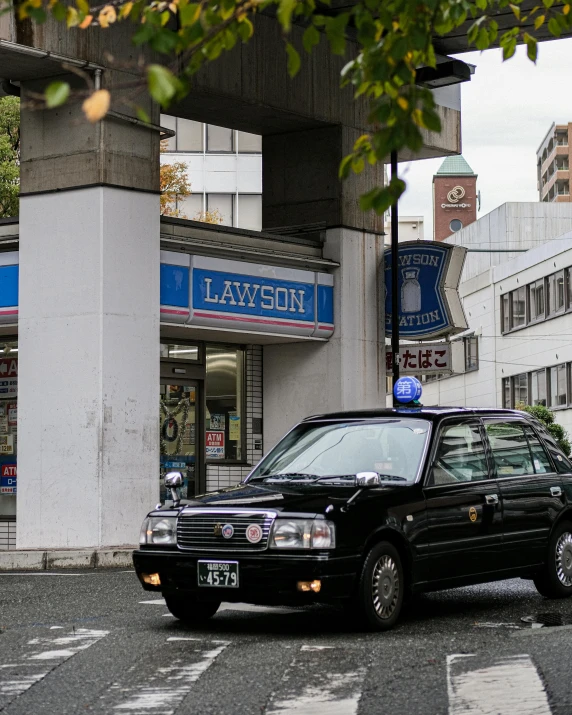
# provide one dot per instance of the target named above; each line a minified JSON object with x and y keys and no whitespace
{"x":39,"y":560}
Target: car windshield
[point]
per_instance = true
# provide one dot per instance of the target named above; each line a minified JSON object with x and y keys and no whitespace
{"x":393,"y":448}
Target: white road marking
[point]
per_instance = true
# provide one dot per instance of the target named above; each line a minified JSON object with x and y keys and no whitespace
{"x":54,"y":628}
{"x":255,"y":609}
{"x":333,"y":693}
{"x":155,"y":602}
{"x":171,"y":682}
{"x":48,"y":573}
{"x":43,"y":654}
{"x":511,"y":685}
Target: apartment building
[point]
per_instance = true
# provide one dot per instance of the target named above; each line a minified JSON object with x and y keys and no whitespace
{"x":224,"y":167}
{"x":553,"y":164}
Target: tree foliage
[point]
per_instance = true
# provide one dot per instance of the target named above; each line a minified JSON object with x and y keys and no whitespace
{"x":174,"y":185}
{"x":9,"y":156}
{"x":394,"y":38}
{"x":546,"y":417}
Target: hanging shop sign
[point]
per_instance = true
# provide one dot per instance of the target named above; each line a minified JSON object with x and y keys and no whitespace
{"x":425,"y":359}
{"x":212,"y":292}
{"x":429,"y":275}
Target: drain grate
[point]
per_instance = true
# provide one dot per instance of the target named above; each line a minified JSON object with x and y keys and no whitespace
{"x":546,"y":620}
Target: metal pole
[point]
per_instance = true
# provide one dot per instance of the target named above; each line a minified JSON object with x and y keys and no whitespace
{"x":395,"y":303}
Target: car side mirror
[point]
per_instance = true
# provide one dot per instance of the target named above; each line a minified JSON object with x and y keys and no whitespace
{"x":174,"y":481}
{"x":367,"y":479}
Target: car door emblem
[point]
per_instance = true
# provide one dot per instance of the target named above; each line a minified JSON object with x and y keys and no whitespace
{"x":217,"y":529}
{"x":472,"y":514}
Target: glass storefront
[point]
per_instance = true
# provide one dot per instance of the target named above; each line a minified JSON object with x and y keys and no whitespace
{"x":201,"y":411}
{"x":8,"y":441}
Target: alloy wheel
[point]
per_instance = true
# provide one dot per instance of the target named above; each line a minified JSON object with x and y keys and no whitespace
{"x":386,"y":586}
{"x":564,"y":559}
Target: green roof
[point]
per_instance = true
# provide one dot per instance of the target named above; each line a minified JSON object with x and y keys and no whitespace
{"x":455,"y":166}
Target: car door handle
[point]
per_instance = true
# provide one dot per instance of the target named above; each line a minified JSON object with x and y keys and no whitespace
{"x":556,"y":491}
{"x":492,"y":498}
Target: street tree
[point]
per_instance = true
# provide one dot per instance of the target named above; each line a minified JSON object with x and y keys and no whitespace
{"x":394,"y":38}
{"x":174,"y":185}
{"x":546,"y":417}
{"x":9,"y":156}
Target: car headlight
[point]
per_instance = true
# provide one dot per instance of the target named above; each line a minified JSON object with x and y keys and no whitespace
{"x":159,"y":530}
{"x":302,"y":534}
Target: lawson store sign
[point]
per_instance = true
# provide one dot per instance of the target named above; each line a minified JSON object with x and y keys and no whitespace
{"x":217,"y":293}
{"x":196,"y":290}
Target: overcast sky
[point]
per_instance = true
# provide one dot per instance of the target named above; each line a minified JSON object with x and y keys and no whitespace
{"x":507,"y":108}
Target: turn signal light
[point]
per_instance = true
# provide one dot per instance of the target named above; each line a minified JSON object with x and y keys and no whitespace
{"x":314,"y":586}
{"x":153,"y":579}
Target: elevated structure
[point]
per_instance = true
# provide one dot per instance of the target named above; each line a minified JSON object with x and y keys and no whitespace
{"x":145,"y":346}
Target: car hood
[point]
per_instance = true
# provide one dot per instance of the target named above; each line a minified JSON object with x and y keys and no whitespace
{"x":293,"y":498}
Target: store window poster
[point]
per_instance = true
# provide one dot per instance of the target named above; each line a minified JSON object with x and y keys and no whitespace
{"x":214,"y":444}
{"x":217,"y":421}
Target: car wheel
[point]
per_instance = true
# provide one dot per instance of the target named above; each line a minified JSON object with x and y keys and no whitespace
{"x":190,"y":611}
{"x":381,"y":588}
{"x":555,"y":580}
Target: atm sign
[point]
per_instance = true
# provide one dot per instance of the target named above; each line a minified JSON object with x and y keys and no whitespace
{"x":8,"y":479}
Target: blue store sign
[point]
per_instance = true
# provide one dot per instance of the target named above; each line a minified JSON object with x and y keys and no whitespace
{"x":196,"y":290}
{"x":429,"y":275}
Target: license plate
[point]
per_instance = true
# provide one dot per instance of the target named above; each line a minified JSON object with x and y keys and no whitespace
{"x":221,"y":574}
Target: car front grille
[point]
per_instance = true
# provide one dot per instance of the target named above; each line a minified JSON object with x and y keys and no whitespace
{"x":199,"y":530}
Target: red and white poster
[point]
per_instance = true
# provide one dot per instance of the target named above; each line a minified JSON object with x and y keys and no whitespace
{"x":215,"y":444}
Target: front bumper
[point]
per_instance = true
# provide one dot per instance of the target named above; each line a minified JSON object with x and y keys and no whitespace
{"x":265,"y":579}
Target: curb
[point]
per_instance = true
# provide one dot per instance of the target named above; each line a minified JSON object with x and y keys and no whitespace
{"x":66,"y":559}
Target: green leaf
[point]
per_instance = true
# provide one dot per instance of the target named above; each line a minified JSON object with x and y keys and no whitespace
{"x":531,"y":47}
{"x":345,"y":166}
{"x":162,"y":84}
{"x":310,"y":38}
{"x":336,"y":32}
{"x":142,"y":115}
{"x":56,"y":94}
{"x":431,"y":120}
{"x":284,"y":13}
{"x":245,"y":29}
{"x":554,"y":27}
{"x":294,"y":61}
{"x":516,"y":10}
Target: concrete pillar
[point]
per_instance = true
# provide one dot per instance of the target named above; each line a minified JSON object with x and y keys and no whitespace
{"x":301,"y":186}
{"x":88,"y":448}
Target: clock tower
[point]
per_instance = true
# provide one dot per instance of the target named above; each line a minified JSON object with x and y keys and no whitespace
{"x":454,"y":197}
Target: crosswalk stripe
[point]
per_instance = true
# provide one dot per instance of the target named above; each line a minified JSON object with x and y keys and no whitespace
{"x":336,"y":692}
{"x":162,"y":691}
{"x":511,"y":685}
{"x":42,"y":656}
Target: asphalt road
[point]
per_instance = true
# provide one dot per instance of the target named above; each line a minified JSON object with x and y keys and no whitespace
{"x":95,"y":642}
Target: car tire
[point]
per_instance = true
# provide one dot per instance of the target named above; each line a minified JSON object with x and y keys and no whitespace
{"x":190,"y":611}
{"x":555,"y":579}
{"x":381,"y":588}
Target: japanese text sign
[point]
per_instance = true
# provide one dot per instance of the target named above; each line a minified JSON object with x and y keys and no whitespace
{"x":421,"y":359}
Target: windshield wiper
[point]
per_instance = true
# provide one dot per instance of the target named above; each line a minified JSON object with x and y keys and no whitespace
{"x":284,"y":477}
{"x":392,"y":478}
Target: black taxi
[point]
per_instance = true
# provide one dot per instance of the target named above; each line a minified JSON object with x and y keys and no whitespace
{"x":364,"y":509}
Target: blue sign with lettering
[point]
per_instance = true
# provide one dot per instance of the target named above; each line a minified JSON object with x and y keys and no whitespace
{"x":407,"y":389}
{"x":8,"y":286}
{"x":174,"y":285}
{"x":250,"y":295}
{"x":422,"y":269}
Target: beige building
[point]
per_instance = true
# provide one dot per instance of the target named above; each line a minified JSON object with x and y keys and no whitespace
{"x":553,"y":164}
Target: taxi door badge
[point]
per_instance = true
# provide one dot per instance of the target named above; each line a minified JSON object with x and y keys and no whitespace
{"x":472,"y":514}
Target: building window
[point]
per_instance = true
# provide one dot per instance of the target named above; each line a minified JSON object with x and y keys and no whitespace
{"x":248,"y":143}
{"x":505,"y":310}
{"x":537,"y":303}
{"x":224,"y":398}
{"x":520,"y":389}
{"x":558,"y":391}
{"x":250,"y":211}
{"x":471,"y":345}
{"x":191,"y":207}
{"x":538,"y":387}
{"x":219,"y":139}
{"x":556,"y":293}
{"x":518,"y":307}
{"x":189,"y":135}
{"x":224,"y":204}
{"x":455,"y":225}
{"x":506,"y":396}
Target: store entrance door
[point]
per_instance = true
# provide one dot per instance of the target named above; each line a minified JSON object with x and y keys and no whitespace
{"x":180,"y":434}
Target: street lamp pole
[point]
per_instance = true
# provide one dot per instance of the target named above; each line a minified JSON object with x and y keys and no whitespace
{"x":394,"y":281}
